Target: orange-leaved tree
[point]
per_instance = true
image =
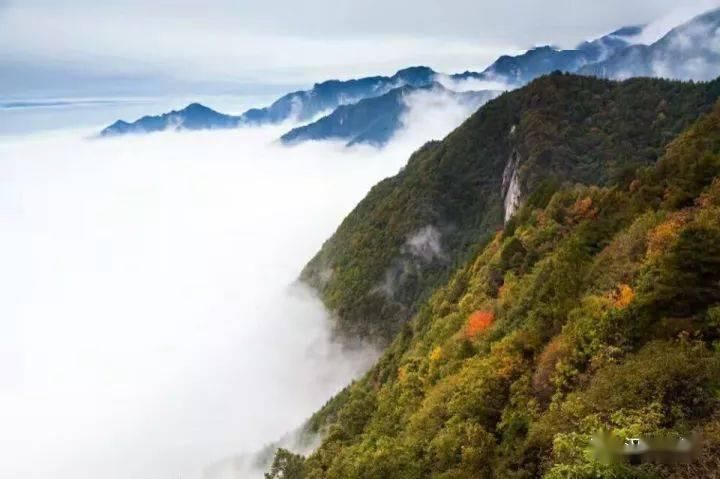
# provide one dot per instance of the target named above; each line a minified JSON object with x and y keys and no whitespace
{"x":478,"y":322}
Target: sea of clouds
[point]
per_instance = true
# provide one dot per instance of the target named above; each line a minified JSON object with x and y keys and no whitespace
{"x":149,"y":321}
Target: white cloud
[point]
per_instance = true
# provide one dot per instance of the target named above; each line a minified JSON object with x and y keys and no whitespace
{"x":432,"y":114}
{"x":471,"y":84}
{"x":676,"y":15}
{"x":426,"y":244}
{"x":146,"y":325}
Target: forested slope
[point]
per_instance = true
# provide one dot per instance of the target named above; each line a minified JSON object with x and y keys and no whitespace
{"x":412,"y":229}
{"x":596,"y":306}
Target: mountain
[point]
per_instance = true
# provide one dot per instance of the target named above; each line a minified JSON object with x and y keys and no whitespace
{"x":520,"y":69}
{"x":328,"y":95}
{"x":193,"y":117}
{"x":688,"y":52}
{"x":605,"y":46}
{"x":375,"y":120}
{"x":594,"y":304}
{"x":299,"y":105}
{"x":407,"y":234}
{"x":597,"y":310}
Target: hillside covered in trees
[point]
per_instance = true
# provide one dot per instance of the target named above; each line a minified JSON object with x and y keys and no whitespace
{"x":413,"y":229}
{"x":595,"y":306}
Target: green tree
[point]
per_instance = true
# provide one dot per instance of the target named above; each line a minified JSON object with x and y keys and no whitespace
{"x":286,"y":465}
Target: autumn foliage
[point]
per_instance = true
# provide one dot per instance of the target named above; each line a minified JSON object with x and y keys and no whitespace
{"x":583,"y":209}
{"x":478,"y":322}
{"x":436,"y":354}
{"x":547,"y":361}
{"x":664,"y":234}
{"x":623,"y":296}
{"x":589,"y":290}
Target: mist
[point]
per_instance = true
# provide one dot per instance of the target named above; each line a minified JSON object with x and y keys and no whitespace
{"x":471,"y":84}
{"x":150,"y":323}
{"x":679,"y":14}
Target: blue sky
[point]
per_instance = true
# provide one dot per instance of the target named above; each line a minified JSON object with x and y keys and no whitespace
{"x":81,"y":47}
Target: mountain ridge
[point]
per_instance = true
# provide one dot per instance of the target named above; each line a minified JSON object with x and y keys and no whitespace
{"x":326,"y":96}
{"x":517,"y":70}
{"x":374,"y":120}
{"x":195,"y":116}
{"x":456,"y":188}
{"x":687,"y":52}
{"x":596,"y":306}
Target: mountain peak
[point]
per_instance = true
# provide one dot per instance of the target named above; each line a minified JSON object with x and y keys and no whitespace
{"x":627,"y":31}
{"x":414,"y":70}
{"x":416,"y":75}
{"x":713,"y":14}
{"x":700,"y":26}
{"x":687,"y":52}
{"x":119,"y":124}
{"x":197,"y":108}
{"x":375,"y":120}
{"x":195,"y":116}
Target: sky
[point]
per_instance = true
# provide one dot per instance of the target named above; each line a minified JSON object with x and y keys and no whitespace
{"x":223,"y":46}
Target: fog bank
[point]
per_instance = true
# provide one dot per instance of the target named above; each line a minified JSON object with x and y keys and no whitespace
{"x":148,"y":326}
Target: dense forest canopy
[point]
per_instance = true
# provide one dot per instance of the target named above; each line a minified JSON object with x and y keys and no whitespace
{"x":597,"y":306}
{"x":558,"y":130}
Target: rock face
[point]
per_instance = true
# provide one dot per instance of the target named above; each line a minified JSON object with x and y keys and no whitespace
{"x":511,"y":186}
{"x":688,"y":52}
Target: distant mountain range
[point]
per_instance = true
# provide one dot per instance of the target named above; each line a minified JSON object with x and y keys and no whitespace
{"x":521,"y":69}
{"x":375,"y":120}
{"x":332,"y":94}
{"x":328,"y":95}
{"x":365,"y":110}
{"x":368,"y":110}
{"x":193,"y":117}
{"x":688,"y":52}
{"x":297,"y":106}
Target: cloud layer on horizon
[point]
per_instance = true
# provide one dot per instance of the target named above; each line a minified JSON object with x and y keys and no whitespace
{"x":147,"y":328}
{"x":231,"y":45}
